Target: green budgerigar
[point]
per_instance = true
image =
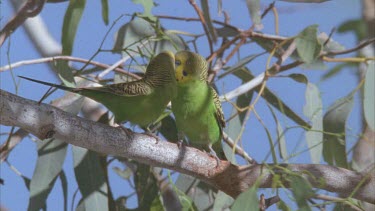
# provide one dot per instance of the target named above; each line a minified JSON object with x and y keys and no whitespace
{"x":196,"y":107}
{"x":139,"y":102}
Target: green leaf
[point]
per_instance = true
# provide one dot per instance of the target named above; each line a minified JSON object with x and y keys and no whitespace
{"x":105,"y":12}
{"x":302,"y":191}
{"x":308,"y":46}
{"x":64,"y":187}
{"x":147,"y":5}
{"x":254,"y":10}
{"x":271,"y":98}
{"x":247,"y":200}
{"x":157,"y":205}
{"x":207,"y":18}
{"x":358,"y":26}
{"x":313,"y":110}
{"x":222,"y":201}
{"x":170,"y":42}
{"x":131,"y":36}
{"x":226,"y":31}
{"x":280,"y":137}
{"x":283,"y":206}
{"x":146,"y":186}
{"x":51,"y":156}
{"x":368,"y":98}
{"x":299,"y":78}
{"x":182,"y":186}
{"x":65,"y":73}
{"x":235,"y":124}
{"x":91,"y":180}
{"x":334,"y":120}
{"x":240,"y":64}
{"x":72,"y":17}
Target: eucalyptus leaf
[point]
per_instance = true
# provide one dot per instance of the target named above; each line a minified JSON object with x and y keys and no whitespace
{"x":334,"y":121}
{"x":368,"y":99}
{"x":254,"y":10}
{"x":313,"y":109}
{"x":308,"y":46}
{"x":247,"y":200}
{"x":105,"y":12}
{"x":91,"y":179}
{"x":207,"y":18}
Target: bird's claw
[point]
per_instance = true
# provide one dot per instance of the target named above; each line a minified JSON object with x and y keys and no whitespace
{"x":149,"y":133}
{"x":127,"y":131}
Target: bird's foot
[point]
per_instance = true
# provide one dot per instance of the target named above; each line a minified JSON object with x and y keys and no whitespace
{"x":153,"y":135}
{"x":213,"y":154}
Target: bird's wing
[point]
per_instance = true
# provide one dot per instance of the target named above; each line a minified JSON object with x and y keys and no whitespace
{"x":129,"y":89}
{"x":219,"y":111}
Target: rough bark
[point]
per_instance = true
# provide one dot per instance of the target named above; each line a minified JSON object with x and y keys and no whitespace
{"x":45,"y":121}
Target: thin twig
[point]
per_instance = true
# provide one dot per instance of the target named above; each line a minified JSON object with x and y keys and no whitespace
{"x":359,"y":46}
{"x":335,"y":199}
{"x":204,"y":24}
{"x":238,"y":149}
{"x":67,"y":58}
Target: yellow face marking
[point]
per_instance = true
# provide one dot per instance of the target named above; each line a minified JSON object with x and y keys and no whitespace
{"x":182,"y":72}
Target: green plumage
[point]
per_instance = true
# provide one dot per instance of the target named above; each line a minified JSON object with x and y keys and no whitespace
{"x":196,"y":107}
{"x":140,"y":102}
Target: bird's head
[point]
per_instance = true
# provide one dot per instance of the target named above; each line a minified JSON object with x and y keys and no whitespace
{"x":190,"y":66}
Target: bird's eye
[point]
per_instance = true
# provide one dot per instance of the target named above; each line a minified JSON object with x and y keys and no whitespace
{"x":184,"y":73}
{"x":177,"y":62}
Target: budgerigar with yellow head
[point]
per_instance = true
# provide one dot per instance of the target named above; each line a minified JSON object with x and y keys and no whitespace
{"x":196,"y":107}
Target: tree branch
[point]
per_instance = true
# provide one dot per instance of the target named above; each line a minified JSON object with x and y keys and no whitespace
{"x":46,"y":121}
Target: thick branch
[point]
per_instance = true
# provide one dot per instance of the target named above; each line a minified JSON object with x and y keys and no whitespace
{"x":46,"y":121}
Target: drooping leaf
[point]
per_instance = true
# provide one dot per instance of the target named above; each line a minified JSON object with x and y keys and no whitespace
{"x":105,"y":12}
{"x":299,"y":78}
{"x":308,"y":46}
{"x":283,"y":206}
{"x":65,"y":73}
{"x":368,"y":96}
{"x":244,"y":74}
{"x":91,"y":180}
{"x":64,"y":186}
{"x":247,"y":200}
{"x":147,"y":6}
{"x":222,"y":201}
{"x":358,"y":26}
{"x":254,"y":10}
{"x":146,"y":186}
{"x":226,"y":31}
{"x":207,"y":18}
{"x":280,"y":137}
{"x":51,"y":156}
{"x":157,"y":205}
{"x":244,"y":61}
{"x":302,"y":191}
{"x":334,"y":121}
{"x":135,"y":36}
{"x":313,"y":110}
{"x":72,"y":18}
{"x":235,"y":124}
{"x":182,"y":186}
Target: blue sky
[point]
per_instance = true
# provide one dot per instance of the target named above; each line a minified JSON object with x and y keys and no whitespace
{"x":292,"y":19}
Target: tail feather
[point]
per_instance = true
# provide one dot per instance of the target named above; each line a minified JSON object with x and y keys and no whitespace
{"x":70,"y":89}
